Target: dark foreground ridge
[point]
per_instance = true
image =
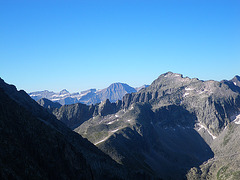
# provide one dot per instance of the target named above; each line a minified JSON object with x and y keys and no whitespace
{"x":35,"y":145}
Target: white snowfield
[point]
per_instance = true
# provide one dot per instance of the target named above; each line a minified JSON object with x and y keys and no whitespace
{"x":235,"y":83}
{"x":189,"y":89}
{"x":131,"y":108}
{"x":237,"y":120}
{"x":111,"y":122}
{"x":102,"y":140}
{"x":113,"y":131}
{"x":203,"y":127}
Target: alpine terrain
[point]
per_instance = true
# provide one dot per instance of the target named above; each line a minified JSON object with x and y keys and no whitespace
{"x":176,"y":128}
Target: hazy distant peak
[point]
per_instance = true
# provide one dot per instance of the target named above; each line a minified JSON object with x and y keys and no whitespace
{"x":113,"y":92}
{"x":119,"y":84}
{"x":88,"y":91}
{"x":64,"y":91}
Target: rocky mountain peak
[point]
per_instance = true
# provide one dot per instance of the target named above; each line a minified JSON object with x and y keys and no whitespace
{"x":236,"y":81}
{"x":64,"y":91}
{"x":172,"y":79}
{"x":48,"y":104}
{"x":122,"y":86}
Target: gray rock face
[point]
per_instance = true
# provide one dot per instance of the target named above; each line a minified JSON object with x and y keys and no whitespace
{"x":212,"y":102}
{"x":34,"y":144}
{"x":48,"y":104}
{"x":167,"y":128}
{"x":236,"y":81}
{"x":226,"y":160}
{"x":176,"y":128}
{"x":75,"y":114}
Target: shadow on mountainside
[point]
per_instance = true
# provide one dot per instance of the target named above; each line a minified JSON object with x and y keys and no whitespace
{"x":162,"y":143}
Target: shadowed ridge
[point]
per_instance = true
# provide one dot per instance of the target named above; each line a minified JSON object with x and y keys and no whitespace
{"x":101,"y":165}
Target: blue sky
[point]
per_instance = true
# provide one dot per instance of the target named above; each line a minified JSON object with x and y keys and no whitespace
{"x":77,"y":45}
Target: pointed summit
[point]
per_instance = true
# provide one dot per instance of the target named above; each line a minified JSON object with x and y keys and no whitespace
{"x":64,"y":91}
{"x":236,"y":80}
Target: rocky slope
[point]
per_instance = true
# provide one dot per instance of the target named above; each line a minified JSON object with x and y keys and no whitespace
{"x":225,"y":163}
{"x":176,"y":128}
{"x":34,"y":144}
{"x":236,"y":81}
{"x":75,"y":114}
{"x":31,"y":149}
{"x":48,"y":104}
{"x":92,"y":96}
{"x":165,"y":129}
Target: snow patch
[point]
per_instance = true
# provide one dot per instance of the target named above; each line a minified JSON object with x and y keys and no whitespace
{"x":113,"y":131}
{"x":189,"y":89}
{"x":131,"y":108}
{"x":203,"y":127}
{"x":237,"y":120}
{"x":235,"y":83}
{"x":116,"y":115}
{"x":129,"y":120}
{"x":32,"y":95}
{"x":186,"y":94}
{"x":54,"y":99}
{"x":102,"y":140}
{"x":111,"y":122}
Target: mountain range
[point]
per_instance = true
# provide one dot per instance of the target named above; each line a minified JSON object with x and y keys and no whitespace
{"x":114,"y":92}
{"x":176,"y":128}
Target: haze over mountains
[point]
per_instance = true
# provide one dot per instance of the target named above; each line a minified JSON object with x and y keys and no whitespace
{"x":177,"y":128}
{"x":114,"y":92}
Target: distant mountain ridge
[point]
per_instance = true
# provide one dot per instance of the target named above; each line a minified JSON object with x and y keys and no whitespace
{"x":114,"y":92}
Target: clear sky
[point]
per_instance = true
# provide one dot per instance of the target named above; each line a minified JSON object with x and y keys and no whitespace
{"x":82,"y":44}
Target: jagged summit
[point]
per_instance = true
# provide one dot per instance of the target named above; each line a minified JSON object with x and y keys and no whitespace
{"x":64,"y":91}
{"x":172,"y":76}
{"x":172,"y":79}
{"x":236,"y":80}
